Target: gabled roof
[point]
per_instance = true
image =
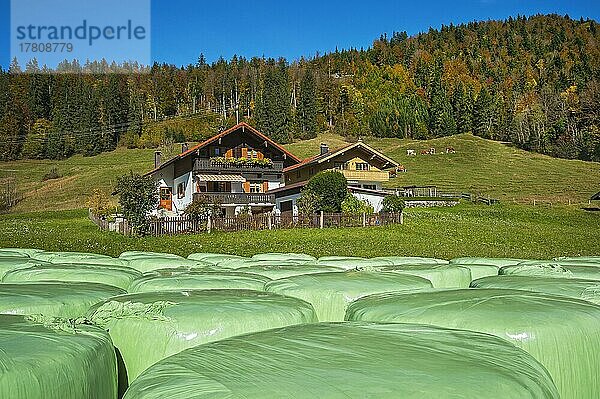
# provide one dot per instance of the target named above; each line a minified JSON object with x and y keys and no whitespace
{"x":241,"y":125}
{"x":332,"y":154}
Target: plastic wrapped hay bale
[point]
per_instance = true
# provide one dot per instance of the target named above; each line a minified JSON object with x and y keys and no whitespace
{"x":70,"y":300}
{"x":8,"y":263}
{"x":441,"y":276}
{"x":562,"y":333}
{"x":279,"y":270}
{"x":78,"y":257}
{"x":588,"y":290}
{"x":131,"y":255}
{"x":412,"y":260}
{"x":148,"y":327}
{"x":330,"y":293}
{"x":479,"y":271}
{"x":147,"y":264}
{"x":299,"y":258}
{"x":552,"y":270}
{"x":213,"y":258}
{"x":118,"y":276}
{"x":165,"y":280}
{"x":499,"y":262}
{"x":19,"y":251}
{"x":350,"y":361}
{"x":563,"y":262}
{"x":352,"y":264}
{"x":579,"y":259}
{"x":50,"y":359}
{"x":336,"y":257}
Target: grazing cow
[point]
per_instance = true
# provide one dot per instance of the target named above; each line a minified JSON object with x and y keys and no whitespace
{"x":424,"y":152}
{"x":450,"y":150}
{"x":411,"y":153}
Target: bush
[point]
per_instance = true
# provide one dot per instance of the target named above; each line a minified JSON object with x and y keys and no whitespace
{"x":99,"y":203}
{"x":138,"y":196}
{"x":354,"y":206}
{"x":393,"y":203}
{"x":52,"y":174}
{"x":331,"y":187}
{"x":202,"y":207}
{"x":308,"y":203}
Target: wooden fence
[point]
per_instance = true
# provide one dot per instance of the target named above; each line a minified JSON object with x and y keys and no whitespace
{"x":189,"y":225}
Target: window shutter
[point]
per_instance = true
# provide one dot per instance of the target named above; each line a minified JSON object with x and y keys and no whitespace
{"x":229,"y":154}
{"x":265,"y":186}
{"x":246,"y":187}
{"x":260,"y":155}
{"x":244,"y":153}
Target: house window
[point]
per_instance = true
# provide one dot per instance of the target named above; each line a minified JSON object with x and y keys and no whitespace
{"x":362,"y":166}
{"x":253,"y":154}
{"x":297,"y":174}
{"x":217,"y":151}
{"x":340,"y":165}
{"x":181,"y":190}
{"x":370,"y":186}
{"x":256,"y":187}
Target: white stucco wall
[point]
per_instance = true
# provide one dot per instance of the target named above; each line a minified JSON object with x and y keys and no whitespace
{"x":376,"y":201}
{"x":293,"y":198}
{"x":179,"y":204}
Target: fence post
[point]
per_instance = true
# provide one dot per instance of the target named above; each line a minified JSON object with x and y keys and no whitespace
{"x":364,"y":219}
{"x":401,"y":217}
{"x":321,"y":220}
{"x":208,"y":224}
{"x":270,"y":221}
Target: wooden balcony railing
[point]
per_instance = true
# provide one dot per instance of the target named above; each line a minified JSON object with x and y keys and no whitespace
{"x":366,"y":175}
{"x":238,"y":198}
{"x":207,"y":165}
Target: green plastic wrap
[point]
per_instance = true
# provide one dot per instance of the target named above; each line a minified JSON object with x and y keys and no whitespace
{"x":279,"y":270}
{"x":590,"y":259}
{"x":55,"y":360}
{"x":441,"y":276}
{"x":165,"y":280}
{"x":148,"y":327}
{"x":78,"y":258}
{"x":71,"y":300}
{"x":19,"y":251}
{"x":588,"y":290}
{"x":234,"y":264}
{"x":349,"y":361}
{"x":131,"y":255}
{"x":352,"y":264}
{"x":499,"y":262}
{"x":552,"y":270}
{"x":213,"y":258}
{"x":479,"y":271}
{"x":330,"y":293}
{"x":412,"y":260}
{"x":338,"y":258}
{"x":118,"y":276}
{"x":8,"y":263}
{"x":562,"y":262}
{"x":299,"y":258}
{"x":562,"y":333}
{"x":147,"y":264}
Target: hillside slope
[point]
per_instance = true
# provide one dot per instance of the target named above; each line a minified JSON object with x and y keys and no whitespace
{"x":479,"y":166}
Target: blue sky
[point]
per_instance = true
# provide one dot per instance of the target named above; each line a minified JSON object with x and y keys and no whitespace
{"x":181,"y":30}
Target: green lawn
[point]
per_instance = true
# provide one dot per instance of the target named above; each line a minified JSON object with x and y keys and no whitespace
{"x":481,"y":167}
{"x":465,"y":230}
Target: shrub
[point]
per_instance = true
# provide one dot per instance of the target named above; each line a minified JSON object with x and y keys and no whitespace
{"x":393,"y":203}
{"x":331,"y":187}
{"x":52,"y":174}
{"x":99,"y":203}
{"x":138,"y":196}
{"x":308,"y":203}
{"x":202,"y":207}
{"x":354,"y":206}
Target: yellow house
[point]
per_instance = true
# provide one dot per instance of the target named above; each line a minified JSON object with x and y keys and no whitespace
{"x":365,"y":168}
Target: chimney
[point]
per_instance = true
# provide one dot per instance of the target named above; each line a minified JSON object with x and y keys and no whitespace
{"x":157,"y":155}
{"x":324,"y":148}
{"x":184,"y":147}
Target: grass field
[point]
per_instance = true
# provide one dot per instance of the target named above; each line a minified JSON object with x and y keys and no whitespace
{"x":466,"y":230}
{"x":478,"y":166}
